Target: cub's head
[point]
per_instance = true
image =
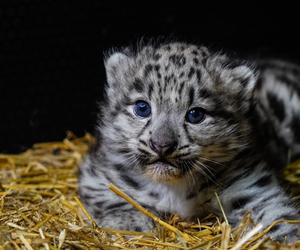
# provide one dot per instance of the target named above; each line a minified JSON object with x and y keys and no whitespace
{"x":175,"y":110}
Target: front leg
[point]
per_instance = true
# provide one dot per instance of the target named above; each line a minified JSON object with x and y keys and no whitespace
{"x":106,"y":208}
{"x":125,"y":219}
{"x":257,"y":191}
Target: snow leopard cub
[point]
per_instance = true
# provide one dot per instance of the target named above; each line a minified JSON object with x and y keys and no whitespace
{"x":180,"y":123}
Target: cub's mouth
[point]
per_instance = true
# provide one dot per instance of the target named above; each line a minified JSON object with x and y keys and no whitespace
{"x":162,"y":170}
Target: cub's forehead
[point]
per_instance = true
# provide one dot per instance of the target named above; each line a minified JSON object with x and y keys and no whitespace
{"x":175,"y":55}
{"x":171,"y":72}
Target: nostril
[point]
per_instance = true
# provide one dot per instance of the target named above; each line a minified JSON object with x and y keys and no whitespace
{"x":154,"y":147}
{"x":171,"y":147}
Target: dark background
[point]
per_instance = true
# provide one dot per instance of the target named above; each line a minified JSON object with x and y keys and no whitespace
{"x":51,"y":69}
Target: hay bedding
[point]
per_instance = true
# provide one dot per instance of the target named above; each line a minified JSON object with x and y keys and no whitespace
{"x":39,"y":209}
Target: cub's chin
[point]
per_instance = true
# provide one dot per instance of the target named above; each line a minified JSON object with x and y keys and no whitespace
{"x":161,"y":171}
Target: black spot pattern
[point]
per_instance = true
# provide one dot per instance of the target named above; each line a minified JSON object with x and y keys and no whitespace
{"x":157,"y":67}
{"x":295,"y":124}
{"x":154,"y":195}
{"x":191,"y":195}
{"x":178,"y":60}
{"x":270,"y":197}
{"x":277,"y":106}
{"x":198,"y":75}
{"x":156,"y":56}
{"x":167,"y":79}
{"x":118,"y":167}
{"x":196,"y":61}
{"x":275,"y":228}
{"x":191,"y":140}
{"x":180,"y":88}
{"x":191,"y":96}
{"x":143,"y":151}
{"x":147,"y":70}
{"x":144,"y":128}
{"x":195,"y":52}
{"x":123,"y":150}
{"x":138,"y":229}
{"x":117,"y":205}
{"x":138,"y":85}
{"x":191,"y":72}
{"x":150,"y":90}
{"x":204,"y":93}
{"x":143,"y":142}
{"x":129,"y":181}
{"x":263,"y":181}
{"x":99,"y":204}
{"x":241,"y":202}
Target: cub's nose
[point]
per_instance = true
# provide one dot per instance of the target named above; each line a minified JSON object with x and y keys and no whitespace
{"x":162,"y":147}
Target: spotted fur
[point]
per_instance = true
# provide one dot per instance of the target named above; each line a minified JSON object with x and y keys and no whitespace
{"x":252,"y":116}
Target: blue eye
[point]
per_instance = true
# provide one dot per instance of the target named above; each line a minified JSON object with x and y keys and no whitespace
{"x":195,"y":115}
{"x":142,"y":109}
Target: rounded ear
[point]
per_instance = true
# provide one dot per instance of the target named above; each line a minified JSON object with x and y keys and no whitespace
{"x":242,"y":82}
{"x":246,"y":76}
{"x":237,"y":76}
{"x":115,"y":60}
{"x":116,"y":65}
{"x":235,"y":80}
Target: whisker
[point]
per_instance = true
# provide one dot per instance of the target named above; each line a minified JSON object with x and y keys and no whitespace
{"x":189,"y":173}
{"x":197,"y":168}
{"x":210,"y":175}
{"x":130,"y":160}
{"x":216,"y":162}
{"x":211,"y":171}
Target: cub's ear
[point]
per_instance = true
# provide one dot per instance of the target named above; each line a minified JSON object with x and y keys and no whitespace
{"x":239,"y":79}
{"x":245,"y":75}
{"x":236,"y":75}
{"x":241,"y":82}
{"x":116,"y":65}
{"x":234,"y":79}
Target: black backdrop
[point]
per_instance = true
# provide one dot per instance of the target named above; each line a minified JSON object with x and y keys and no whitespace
{"x":51,"y":70}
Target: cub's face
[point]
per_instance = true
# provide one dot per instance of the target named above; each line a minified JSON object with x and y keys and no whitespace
{"x":176,"y":110}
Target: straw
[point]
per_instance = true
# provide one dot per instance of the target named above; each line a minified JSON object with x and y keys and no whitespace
{"x":40,"y":209}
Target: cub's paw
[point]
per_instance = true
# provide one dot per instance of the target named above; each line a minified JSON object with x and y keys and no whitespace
{"x":126,"y":220}
{"x":288,"y":233}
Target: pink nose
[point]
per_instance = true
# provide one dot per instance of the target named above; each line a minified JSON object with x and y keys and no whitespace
{"x":163,"y":148}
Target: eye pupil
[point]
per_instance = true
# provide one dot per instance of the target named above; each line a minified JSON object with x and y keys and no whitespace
{"x":195,"y":115}
{"x":142,"y":109}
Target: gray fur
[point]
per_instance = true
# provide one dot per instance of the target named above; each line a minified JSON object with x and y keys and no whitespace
{"x":230,"y":151}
